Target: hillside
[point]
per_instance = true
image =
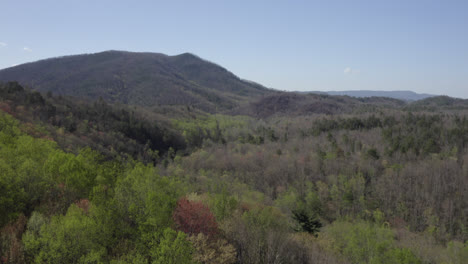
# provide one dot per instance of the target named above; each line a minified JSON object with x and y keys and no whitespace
{"x":439,"y":103}
{"x":111,"y":130}
{"x":299,"y":104}
{"x":401,"y":95}
{"x":145,"y":79}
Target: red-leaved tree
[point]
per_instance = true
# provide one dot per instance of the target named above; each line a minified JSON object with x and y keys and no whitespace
{"x":194,"y":217}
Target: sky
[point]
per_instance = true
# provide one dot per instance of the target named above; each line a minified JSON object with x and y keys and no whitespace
{"x":287,"y":45}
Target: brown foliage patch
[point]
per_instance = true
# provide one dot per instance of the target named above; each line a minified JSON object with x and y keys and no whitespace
{"x":11,"y":247}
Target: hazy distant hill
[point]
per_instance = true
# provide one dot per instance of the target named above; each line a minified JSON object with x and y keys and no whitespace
{"x":146,"y":79}
{"x":402,"y":95}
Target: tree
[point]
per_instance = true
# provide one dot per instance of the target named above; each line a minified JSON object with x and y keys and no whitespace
{"x":307,"y":222}
{"x":194,"y":217}
{"x":209,"y":251}
{"x":174,"y":248}
{"x":363,"y":242}
{"x":146,"y":202}
{"x":11,"y":248}
{"x":73,"y":238}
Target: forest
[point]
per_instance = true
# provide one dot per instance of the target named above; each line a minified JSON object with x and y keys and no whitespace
{"x":102,"y":182}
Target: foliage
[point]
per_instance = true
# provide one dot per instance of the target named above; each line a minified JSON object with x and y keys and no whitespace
{"x":73,"y":238}
{"x":193,"y":218}
{"x":214,"y":128}
{"x":109,"y":129}
{"x":11,"y":248}
{"x":307,"y":223}
{"x":212,"y":251}
{"x":146,"y":202}
{"x":363,"y":242}
{"x":173,"y":248}
{"x":223,"y":205}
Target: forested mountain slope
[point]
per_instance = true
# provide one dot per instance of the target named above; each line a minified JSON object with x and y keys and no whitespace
{"x":401,"y":95}
{"x":111,"y":130}
{"x":146,"y":79}
{"x":297,"y":104}
{"x":439,"y":103}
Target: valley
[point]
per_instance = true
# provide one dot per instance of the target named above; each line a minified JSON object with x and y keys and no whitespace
{"x":122,"y":157}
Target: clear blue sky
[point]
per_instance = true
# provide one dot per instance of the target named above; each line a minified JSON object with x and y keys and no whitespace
{"x":289,"y":45}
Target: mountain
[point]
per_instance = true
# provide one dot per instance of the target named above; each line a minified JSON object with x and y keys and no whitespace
{"x":401,"y":95}
{"x":145,"y":79}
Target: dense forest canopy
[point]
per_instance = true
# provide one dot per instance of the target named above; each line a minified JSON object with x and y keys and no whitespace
{"x":290,"y":179}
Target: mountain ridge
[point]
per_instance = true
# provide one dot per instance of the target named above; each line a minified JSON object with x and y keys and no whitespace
{"x":405,"y":95}
{"x":137,"y":78}
{"x":157,"y":81}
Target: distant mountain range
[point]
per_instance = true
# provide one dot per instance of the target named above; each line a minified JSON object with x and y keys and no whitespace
{"x":401,"y":95}
{"x":145,"y":79}
{"x":185,"y":82}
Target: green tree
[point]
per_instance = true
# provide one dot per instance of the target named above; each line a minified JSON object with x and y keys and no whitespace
{"x":174,"y":248}
{"x":145,"y":201}
{"x":363,"y":242}
{"x":73,"y":238}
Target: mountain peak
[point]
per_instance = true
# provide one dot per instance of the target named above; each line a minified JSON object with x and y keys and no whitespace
{"x":187,"y":55}
{"x":138,"y":78}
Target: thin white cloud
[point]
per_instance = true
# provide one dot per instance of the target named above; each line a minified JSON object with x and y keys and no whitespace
{"x":349,"y":70}
{"x":3,"y":44}
{"x":27,"y":49}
